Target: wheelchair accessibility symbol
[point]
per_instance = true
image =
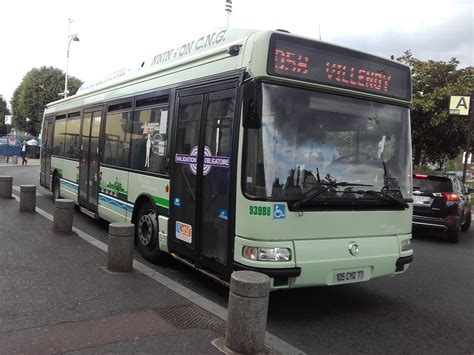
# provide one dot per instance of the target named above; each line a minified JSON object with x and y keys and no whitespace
{"x":279,"y":211}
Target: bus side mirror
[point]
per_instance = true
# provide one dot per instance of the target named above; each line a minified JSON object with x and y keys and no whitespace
{"x":251,"y":108}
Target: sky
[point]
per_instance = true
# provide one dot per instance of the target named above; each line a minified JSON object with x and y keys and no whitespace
{"x":114,"y":34}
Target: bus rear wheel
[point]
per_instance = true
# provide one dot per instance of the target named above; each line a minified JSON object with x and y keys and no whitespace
{"x":146,"y":234}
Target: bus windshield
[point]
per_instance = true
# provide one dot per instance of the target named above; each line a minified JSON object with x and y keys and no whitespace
{"x":308,"y":138}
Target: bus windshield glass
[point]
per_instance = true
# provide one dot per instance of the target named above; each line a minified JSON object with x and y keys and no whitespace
{"x":308,"y":139}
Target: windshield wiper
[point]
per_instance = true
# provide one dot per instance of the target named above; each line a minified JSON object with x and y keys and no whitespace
{"x":390,"y":185}
{"x":382,"y":195}
{"x":390,"y":182}
{"x":321,"y":188}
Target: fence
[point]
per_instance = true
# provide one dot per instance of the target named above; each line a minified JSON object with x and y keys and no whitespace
{"x":9,"y":150}
{"x":32,"y":151}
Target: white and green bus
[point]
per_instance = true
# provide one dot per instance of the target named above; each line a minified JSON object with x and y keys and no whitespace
{"x":212,"y":150}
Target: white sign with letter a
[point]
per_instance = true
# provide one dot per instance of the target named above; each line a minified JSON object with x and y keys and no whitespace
{"x":459,"y":105}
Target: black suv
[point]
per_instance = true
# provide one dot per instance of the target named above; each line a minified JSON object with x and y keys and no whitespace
{"x":440,"y":201}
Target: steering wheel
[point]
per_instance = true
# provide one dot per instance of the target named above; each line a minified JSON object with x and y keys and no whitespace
{"x":345,"y":158}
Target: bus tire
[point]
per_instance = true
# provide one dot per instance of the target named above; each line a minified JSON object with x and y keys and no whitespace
{"x":56,"y":187}
{"x":146,"y":233}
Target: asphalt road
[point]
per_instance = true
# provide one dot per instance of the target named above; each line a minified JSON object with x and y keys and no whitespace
{"x":429,"y":309}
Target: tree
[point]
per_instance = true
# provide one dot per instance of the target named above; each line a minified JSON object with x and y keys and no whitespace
{"x":38,"y":88}
{"x":437,"y":136}
{"x":3,"y":111}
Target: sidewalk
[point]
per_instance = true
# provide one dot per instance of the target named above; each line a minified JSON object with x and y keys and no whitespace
{"x":57,"y":297}
{"x":3,"y":161}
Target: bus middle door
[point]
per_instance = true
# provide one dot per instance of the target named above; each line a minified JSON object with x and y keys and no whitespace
{"x":89,"y":179}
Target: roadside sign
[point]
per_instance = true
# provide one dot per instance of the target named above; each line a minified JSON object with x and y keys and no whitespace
{"x":469,"y":157}
{"x":459,"y":105}
{"x":8,"y":120}
{"x":11,"y":140}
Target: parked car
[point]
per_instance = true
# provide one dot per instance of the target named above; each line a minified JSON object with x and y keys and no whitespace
{"x":459,"y":173}
{"x":440,"y":201}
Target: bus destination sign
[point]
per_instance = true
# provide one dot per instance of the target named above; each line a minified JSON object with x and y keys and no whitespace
{"x":326,"y":64}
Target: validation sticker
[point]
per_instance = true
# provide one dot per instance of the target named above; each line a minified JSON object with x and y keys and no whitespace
{"x":184,"y":232}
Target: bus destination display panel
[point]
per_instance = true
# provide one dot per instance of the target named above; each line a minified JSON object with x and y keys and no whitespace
{"x":325,"y":64}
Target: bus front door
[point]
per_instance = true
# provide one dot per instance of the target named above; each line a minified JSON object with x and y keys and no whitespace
{"x":200,"y":203}
{"x":89,"y":179}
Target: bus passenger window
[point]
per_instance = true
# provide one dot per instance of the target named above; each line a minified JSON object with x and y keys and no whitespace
{"x":73,"y":127}
{"x":149,"y":140}
{"x":117,"y":139}
{"x":59,"y":135}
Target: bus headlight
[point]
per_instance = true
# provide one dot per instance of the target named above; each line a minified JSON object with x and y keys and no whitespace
{"x":266,"y":254}
{"x":405,"y":244}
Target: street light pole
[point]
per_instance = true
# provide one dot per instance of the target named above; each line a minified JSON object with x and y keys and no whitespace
{"x":468,"y":143}
{"x":70,"y":39}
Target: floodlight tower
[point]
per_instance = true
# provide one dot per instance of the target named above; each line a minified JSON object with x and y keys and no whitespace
{"x":228,"y":9}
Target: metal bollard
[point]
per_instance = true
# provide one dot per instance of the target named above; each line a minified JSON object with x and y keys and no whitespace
{"x":120,"y":249}
{"x":247,"y":312}
{"x":27,"y":198}
{"x":6,"y":183}
{"x":15,"y":159}
{"x":63,"y":215}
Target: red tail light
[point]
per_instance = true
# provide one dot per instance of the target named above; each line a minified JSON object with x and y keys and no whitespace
{"x":421,"y":176}
{"x":450,"y":196}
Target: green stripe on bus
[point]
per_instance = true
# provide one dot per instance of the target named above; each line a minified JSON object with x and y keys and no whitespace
{"x":161,"y":201}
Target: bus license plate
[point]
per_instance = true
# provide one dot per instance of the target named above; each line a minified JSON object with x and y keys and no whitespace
{"x":346,"y":276}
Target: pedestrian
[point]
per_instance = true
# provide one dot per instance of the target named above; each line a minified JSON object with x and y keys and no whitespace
{"x":23,"y":154}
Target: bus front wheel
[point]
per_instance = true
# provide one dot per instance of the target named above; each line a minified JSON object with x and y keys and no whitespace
{"x":146,"y":233}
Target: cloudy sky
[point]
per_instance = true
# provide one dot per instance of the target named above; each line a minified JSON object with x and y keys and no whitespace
{"x":115,"y":33}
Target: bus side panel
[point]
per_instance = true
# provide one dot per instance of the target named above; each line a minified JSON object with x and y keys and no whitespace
{"x":163,"y":233}
{"x":157,"y":187}
{"x":113,"y":195}
{"x":69,"y":178}
{"x":57,"y":164}
{"x":221,"y":63}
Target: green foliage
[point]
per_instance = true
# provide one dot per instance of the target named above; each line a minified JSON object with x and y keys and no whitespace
{"x":38,"y":88}
{"x":451,"y":164}
{"x":3,"y":111}
{"x":437,"y":136}
{"x":421,"y":168}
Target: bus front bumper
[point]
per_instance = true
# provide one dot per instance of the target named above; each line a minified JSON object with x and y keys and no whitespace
{"x":276,"y":273}
{"x":321,"y":262}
